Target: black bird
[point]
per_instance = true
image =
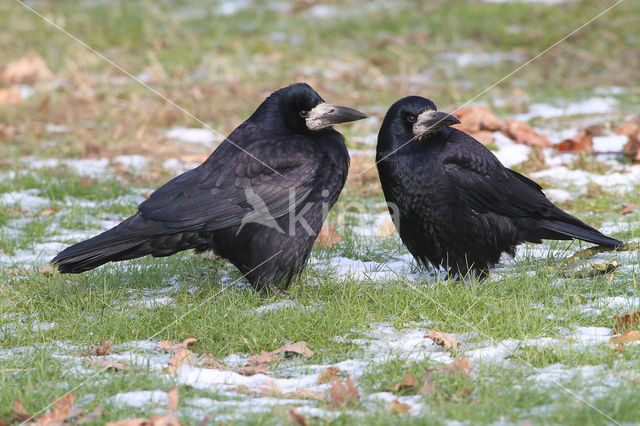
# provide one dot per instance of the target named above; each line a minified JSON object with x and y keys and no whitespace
{"x":259,"y":200}
{"x":452,"y":201}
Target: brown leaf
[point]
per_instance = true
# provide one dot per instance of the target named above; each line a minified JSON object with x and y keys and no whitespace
{"x":397,"y":407}
{"x":173,"y":398}
{"x":10,"y":95}
{"x":294,"y":416}
{"x":243,"y":389}
{"x":327,"y":236}
{"x":342,"y":394}
{"x":270,"y":389}
{"x":460,"y":365}
{"x":209,"y":361}
{"x":19,"y":412}
{"x":626,"y":321}
{"x":475,"y":119}
{"x":524,"y":134}
{"x":629,"y":208}
{"x":445,"y":340}
{"x":104,"y":348}
{"x":328,"y":375}
{"x":178,"y":359}
{"x":386,"y":229}
{"x":407,"y":383}
{"x":107,"y":364}
{"x":617,"y":342}
{"x":264,"y":356}
{"x":173,"y":348}
{"x":7,"y":132}
{"x":250,"y":370}
{"x":583,"y":141}
{"x":91,"y":417}
{"x":485,"y":138}
{"x":61,"y":411}
{"x":629,"y":128}
{"x":27,"y":69}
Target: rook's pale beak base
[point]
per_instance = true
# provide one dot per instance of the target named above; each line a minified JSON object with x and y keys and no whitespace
{"x":325,"y":115}
{"x":430,"y":121}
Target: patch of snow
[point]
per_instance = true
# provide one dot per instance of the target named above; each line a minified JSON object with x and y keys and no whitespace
{"x":509,"y":153}
{"x":153,"y":302}
{"x":177,"y":166}
{"x":195,"y":135}
{"x":135,"y":162}
{"x":27,"y":199}
{"x":620,"y":304}
{"x":91,"y":167}
{"x":613,"y":143}
{"x":466,"y":59}
{"x":139,"y":398}
{"x":558,"y":196}
{"x":584,"y":107}
{"x":56,"y":128}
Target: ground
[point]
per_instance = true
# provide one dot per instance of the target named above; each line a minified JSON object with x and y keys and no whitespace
{"x":82,"y":142}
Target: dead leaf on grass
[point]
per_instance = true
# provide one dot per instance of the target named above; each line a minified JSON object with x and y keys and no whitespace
{"x":25,"y":70}
{"x":342,"y":394}
{"x":61,"y":411}
{"x":397,"y":407}
{"x":209,"y":361}
{"x":47,"y":270}
{"x":265,"y":357}
{"x":407,"y":383}
{"x":294,"y":416}
{"x":582,"y":141}
{"x":19,"y":411}
{"x":629,"y":208}
{"x":243,"y":389}
{"x":104,"y":348}
{"x":172,"y":348}
{"x":328,"y":375}
{"x":617,"y":342}
{"x":173,"y":398}
{"x":306,"y":394}
{"x":92,"y":416}
{"x":524,"y":134}
{"x":386,"y":229}
{"x":460,"y":365}
{"x":178,"y":359}
{"x":626,"y":321}
{"x":270,"y":389}
{"x":250,"y":370}
{"x":428,"y":386}
{"x":10,"y":95}
{"x":477,"y":118}
{"x":445,"y":340}
{"x":155,"y":420}
{"x":327,"y":236}
{"x":106,"y":364}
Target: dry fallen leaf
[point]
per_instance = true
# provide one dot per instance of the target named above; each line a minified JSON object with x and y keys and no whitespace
{"x":27,"y":69}
{"x":19,"y":412}
{"x":270,"y":389}
{"x":629,"y":128}
{"x":428,"y":387}
{"x":10,"y":95}
{"x":265,"y":357}
{"x":306,"y":394}
{"x":173,"y":398}
{"x":627,"y":320}
{"x":477,"y":118}
{"x":328,"y":375}
{"x":485,"y":138}
{"x":386,"y":229}
{"x":209,"y":361}
{"x":342,"y":394}
{"x":178,"y":359}
{"x":294,"y":416}
{"x":130,"y":422}
{"x":397,"y":407}
{"x":243,"y":389}
{"x":629,"y":208}
{"x":102,"y":349}
{"x":617,"y":342}
{"x":407,"y":383}
{"x":460,"y":365}
{"x":61,"y":411}
{"x":47,"y":270}
{"x":172,"y":348}
{"x":327,"y":236}
{"x":524,"y":134}
{"x":168,"y":419}
{"x":445,"y":340}
{"x":250,"y":370}
{"x":107,"y":364}
{"x":583,"y":141}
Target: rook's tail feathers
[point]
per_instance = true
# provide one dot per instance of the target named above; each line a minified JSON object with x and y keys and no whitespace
{"x":131,"y":239}
{"x":580,"y":232}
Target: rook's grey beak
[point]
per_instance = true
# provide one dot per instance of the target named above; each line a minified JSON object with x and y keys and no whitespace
{"x":325,"y":115}
{"x":430,"y":121}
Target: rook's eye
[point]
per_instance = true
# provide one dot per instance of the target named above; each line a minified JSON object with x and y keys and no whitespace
{"x":411,"y":118}
{"x":304,"y":114}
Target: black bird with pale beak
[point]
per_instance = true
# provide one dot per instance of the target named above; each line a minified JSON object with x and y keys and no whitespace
{"x":452,"y":201}
{"x":259,"y":200}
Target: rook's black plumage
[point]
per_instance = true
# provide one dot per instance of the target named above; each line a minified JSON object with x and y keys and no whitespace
{"x":452,"y":201}
{"x":259,"y":200}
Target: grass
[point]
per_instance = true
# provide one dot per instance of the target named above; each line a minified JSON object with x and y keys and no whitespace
{"x":218,"y":68}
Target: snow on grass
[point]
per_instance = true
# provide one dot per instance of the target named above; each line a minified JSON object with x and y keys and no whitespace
{"x":200,"y":136}
{"x":140,"y":399}
{"x":590,"y":106}
{"x":27,"y":199}
{"x":477,"y":59}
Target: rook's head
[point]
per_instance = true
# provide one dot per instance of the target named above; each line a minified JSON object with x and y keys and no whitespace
{"x":299,"y":109}
{"x":415,"y":117}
